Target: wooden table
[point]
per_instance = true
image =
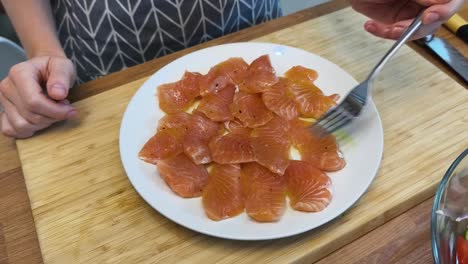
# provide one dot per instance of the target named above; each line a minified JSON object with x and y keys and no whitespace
{"x":404,"y":239}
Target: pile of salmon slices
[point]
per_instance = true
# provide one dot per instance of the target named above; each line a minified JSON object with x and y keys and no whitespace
{"x":228,"y":135}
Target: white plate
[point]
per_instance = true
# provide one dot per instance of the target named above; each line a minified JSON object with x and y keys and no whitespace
{"x":140,"y":120}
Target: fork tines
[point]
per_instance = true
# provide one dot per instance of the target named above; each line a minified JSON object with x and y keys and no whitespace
{"x":339,"y":116}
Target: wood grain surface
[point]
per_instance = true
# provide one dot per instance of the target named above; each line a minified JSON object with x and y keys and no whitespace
{"x":405,"y":239}
{"x":18,"y":239}
{"x":86,"y":210}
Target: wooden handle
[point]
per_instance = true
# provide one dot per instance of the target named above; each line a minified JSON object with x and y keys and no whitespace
{"x":458,"y":26}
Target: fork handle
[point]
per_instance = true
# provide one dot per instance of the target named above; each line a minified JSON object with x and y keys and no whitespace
{"x":413,"y":27}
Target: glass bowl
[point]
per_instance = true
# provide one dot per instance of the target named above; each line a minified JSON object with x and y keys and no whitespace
{"x":449,"y":221}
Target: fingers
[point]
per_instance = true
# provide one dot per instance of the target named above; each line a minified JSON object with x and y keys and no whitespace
{"x":434,"y":16}
{"x":11,"y":94}
{"x":394,"y":31}
{"x":61,"y":77}
{"x":441,"y":12}
{"x":24,"y":78}
{"x":20,"y":126}
{"x":5,"y":127}
{"x":431,"y":2}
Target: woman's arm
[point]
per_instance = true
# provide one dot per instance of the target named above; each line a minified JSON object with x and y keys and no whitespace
{"x":35,"y":26}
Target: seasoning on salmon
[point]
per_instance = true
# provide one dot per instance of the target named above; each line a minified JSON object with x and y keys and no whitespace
{"x":310,"y":100}
{"x":232,"y":148}
{"x":162,"y":145}
{"x":216,"y":105}
{"x":323,"y":153}
{"x":179,"y":96}
{"x":264,"y":193}
{"x":184,"y":177}
{"x":231,"y":71}
{"x":280,"y":100}
{"x":307,"y":187}
{"x":301,"y":74}
{"x":250,"y":109}
{"x":222,"y":197}
{"x":201,"y":130}
{"x":271,"y":145}
{"x":260,"y":76}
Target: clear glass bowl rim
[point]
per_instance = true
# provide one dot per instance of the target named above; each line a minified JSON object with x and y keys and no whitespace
{"x":437,"y":198}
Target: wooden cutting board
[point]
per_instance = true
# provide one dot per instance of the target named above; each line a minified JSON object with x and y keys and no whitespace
{"x":86,"y":210}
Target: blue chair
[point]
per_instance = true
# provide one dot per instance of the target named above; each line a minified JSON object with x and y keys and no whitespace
{"x":10,"y":54}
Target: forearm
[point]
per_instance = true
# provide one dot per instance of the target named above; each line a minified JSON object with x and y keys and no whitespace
{"x":34,"y":24}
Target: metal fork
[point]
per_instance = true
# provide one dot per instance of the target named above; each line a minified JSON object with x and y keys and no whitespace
{"x":354,"y":102}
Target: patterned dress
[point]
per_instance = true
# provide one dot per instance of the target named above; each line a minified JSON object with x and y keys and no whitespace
{"x":104,"y":36}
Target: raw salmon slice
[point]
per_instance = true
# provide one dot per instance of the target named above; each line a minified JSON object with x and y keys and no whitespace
{"x":272,"y":152}
{"x":323,"y":153}
{"x":264,"y":193}
{"x":232,"y":148}
{"x":301,"y":74}
{"x":176,"y":124}
{"x":280,"y":100}
{"x":178,"y":96}
{"x":307,"y":187}
{"x":250,"y":109}
{"x":201,"y":130}
{"x":184,"y":177}
{"x":231,"y":71}
{"x":260,"y":76}
{"x":277,"y":126}
{"x":216,"y":105}
{"x":222,"y":197}
{"x":271,"y":145}
{"x":235,"y":126}
{"x":310,"y":100}
{"x":161,"y":146}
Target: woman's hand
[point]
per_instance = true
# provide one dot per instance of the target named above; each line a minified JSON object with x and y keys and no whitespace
{"x":34,"y":93}
{"x":390,"y":18}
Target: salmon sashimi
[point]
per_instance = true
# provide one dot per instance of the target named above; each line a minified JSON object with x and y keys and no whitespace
{"x":161,"y":146}
{"x":212,"y":83}
{"x":272,"y":152}
{"x":260,"y":76}
{"x":277,"y":126}
{"x":231,"y":71}
{"x":250,"y":109}
{"x":234,"y":68}
{"x":222,"y":197}
{"x":280,"y":100}
{"x":176,"y":124}
{"x":216,"y":105}
{"x":323,"y":153}
{"x":307,"y":187}
{"x":310,"y":100}
{"x":271,"y":145}
{"x":179,"y":96}
{"x":168,"y":141}
{"x":184,"y":177}
{"x":264,"y":193}
{"x":196,"y":141}
{"x":232,"y":148}
{"x":235,"y":126}
{"x":301,"y":74}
